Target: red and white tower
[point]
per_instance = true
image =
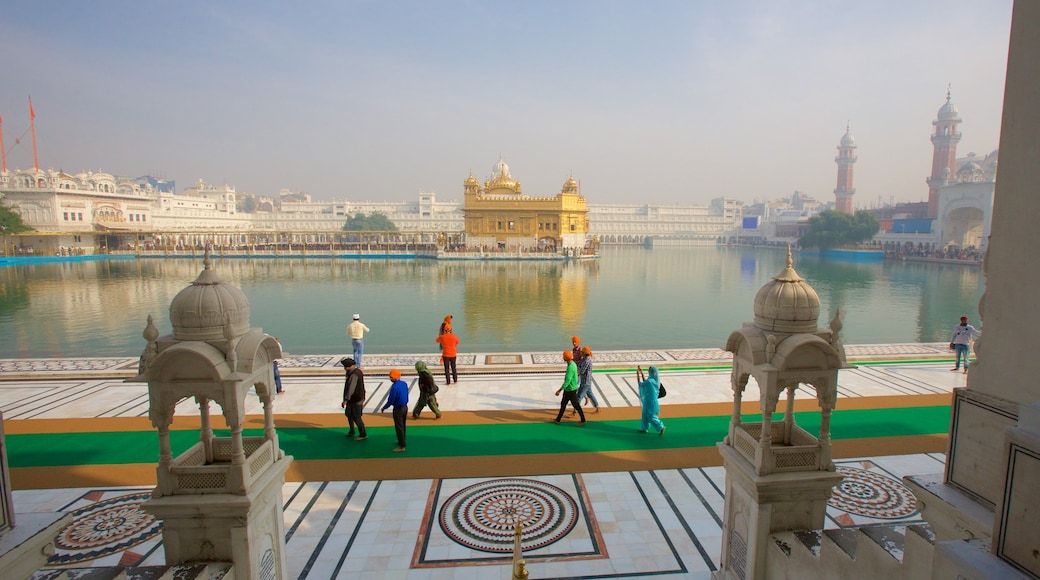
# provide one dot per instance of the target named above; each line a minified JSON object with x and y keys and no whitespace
{"x":846,"y":158}
{"x":944,"y":155}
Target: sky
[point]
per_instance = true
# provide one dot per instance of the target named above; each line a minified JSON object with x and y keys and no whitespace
{"x":669,"y":102}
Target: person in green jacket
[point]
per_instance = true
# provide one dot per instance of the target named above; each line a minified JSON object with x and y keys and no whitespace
{"x":569,"y":388}
{"x":427,"y":392}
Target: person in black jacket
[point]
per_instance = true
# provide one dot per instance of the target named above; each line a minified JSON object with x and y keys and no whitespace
{"x":354,"y":399}
{"x":427,"y":392}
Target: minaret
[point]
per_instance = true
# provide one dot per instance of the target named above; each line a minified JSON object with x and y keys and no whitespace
{"x":944,"y":155}
{"x":846,"y":157}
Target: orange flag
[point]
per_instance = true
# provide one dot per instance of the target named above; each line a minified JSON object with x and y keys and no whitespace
{"x":32,"y":113}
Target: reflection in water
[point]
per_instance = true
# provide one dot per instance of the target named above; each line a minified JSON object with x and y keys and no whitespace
{"x":630,"y":298}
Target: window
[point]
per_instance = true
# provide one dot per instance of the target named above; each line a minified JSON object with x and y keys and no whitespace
{"x":66,"y":216}
{"x":511,"y":224}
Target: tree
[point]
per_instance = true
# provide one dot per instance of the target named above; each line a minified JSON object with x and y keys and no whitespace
{"x":11,"y":222}
{"x":832,"y":229}
{"x":247,"y":204}
{"x":376,"y":222}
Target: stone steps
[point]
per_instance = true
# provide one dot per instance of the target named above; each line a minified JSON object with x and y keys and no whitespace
{"x":202,"y":571}
{"x":870,"y":551}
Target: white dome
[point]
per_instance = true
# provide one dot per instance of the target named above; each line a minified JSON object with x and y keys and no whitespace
{"x":948,"y":112}
{"x":787,"y":303}
{"x":500,"y":169}
{"x":201,"y":311}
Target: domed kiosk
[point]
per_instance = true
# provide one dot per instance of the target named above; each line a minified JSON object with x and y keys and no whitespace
{"x":221,"y":499}
{"x":778,"y":475}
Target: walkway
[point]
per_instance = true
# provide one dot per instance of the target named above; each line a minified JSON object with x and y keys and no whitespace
{"x":638,"y":506}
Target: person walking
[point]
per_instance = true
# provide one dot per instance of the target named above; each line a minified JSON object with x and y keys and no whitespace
{"x":354,"y":399}
{"x":569,"y":388}
{"x":427,"y":392}
{"x":649,"y":390}
{"x":356,"y":331}
{"x":963,"y":334}
{"x":398,"y":399}
{"x":449,"y":351}
{"x":585,"y":392}
{"x":576,"y":349}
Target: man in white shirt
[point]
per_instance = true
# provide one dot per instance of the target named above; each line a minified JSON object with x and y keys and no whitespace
{"x":356,"y":331}
{"x":963,"y":333}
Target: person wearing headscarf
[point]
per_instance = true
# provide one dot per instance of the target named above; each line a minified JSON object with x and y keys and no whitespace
{"x":449,"y":345}
{"x":427,"y":392}
{"x":569,"y":388}
{"x":649,"y":388}
{"x":585,"y":392}
{"x":398,"y":399}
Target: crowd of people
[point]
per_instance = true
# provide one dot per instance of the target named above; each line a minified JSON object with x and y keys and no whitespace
{"x":576,"y":389}
{"x":951,"y":253}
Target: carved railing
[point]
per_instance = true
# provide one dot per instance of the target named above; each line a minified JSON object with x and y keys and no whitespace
{"x":799,"y":451}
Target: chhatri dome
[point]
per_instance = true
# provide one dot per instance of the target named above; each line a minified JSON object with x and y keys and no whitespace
{"x":787,"y":303}
{"x":201,"y":311}
{"x":847,"y":140}
{"x":949,"y":112}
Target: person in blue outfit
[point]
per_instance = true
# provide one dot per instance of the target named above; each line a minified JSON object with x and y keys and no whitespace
{"x":277,"y":374}
{"x":398,"y":399}
{"x":963,"y":334}
{"x":649,"y":388}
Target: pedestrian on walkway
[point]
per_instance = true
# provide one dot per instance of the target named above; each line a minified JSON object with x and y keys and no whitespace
{"x":354,"y":399}
{"x":277,"y":374}
{"x":444,"y":326}
{"x":585,"y":392}
{"x":356,"y":331}
{"x":649,"y":390}
{"x":398,"y":399}
{"x":427,"y":392}
{"x":576,"y":349}
{"x":963,"y":334}
{"x":449,"y":351}
{"x":569,"y":388}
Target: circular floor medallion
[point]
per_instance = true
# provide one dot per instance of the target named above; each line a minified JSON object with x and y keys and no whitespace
{"x":104,"y":528}
{"x":483,"y":516}
{"x":871,"y":494}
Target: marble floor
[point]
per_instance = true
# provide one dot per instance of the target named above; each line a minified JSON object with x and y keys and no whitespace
{"x":626,"y":524}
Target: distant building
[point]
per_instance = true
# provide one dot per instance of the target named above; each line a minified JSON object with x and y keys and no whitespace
{"x":944,"y":151}
{"x":499,"y":215}
{"x":846,"y":159}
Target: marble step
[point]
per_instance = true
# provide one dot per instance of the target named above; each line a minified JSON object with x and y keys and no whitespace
{"x":203,"y":571}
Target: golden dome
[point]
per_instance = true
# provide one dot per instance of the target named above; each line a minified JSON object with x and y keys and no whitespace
{"x":787,"y":303}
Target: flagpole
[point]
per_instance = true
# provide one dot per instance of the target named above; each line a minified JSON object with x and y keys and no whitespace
{"x":32,"y":124}
{"x":3,"y":150}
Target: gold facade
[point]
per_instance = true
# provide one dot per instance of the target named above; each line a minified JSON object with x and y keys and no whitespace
{"x":499,"y":214}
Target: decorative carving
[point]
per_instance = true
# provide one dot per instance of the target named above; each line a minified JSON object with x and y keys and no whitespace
{"x":150,"y":334}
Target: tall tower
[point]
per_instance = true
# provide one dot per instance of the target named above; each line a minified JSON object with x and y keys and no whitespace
{"x":944,"y":155}
{"x":846,"y":157}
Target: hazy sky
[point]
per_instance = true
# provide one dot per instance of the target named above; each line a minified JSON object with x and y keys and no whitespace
{"x":663,"y":101}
